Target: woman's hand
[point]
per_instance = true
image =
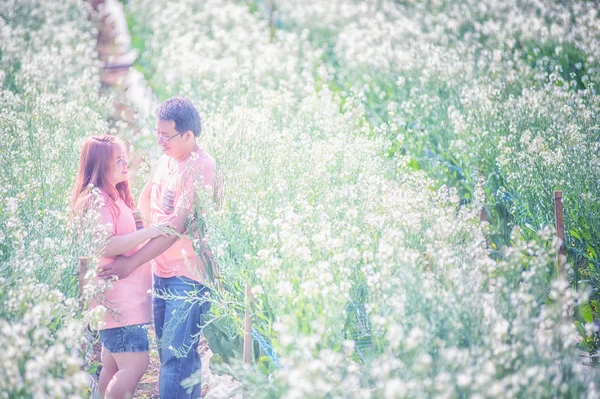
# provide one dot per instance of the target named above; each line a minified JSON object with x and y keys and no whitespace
{"x":160,"y":229}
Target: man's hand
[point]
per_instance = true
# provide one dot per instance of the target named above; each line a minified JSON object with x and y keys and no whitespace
{"x":121,"y":267}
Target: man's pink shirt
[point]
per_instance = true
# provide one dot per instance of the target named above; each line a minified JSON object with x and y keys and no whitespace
{"x":175,"y":184}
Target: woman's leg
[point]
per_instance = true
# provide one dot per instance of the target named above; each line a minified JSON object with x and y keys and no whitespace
{"x":132,"y":366}
{"x":109,"y":369}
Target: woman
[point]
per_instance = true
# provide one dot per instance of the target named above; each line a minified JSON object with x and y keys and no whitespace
{"x":124,"y":336}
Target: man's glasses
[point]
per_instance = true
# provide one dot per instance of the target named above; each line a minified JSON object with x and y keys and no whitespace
{"x":164,"y":139}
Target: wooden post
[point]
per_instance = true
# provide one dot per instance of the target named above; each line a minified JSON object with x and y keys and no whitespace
{"x":482,"y":213}
{"x":247,"y":354}
{"x":272,"y":27}
{"x":483,"y":218}
{"x":96,"y":4}
{"x":83,"y":268}
{"x":87,"y":348}
{"x":560,"y":228}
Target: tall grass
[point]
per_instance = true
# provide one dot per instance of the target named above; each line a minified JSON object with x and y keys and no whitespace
{"x":370,"y":279}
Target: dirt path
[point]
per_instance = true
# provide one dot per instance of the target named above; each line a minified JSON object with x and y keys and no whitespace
{"x":148,"y":387}
{"x":120,"y":81}
{"x":133,"y":101}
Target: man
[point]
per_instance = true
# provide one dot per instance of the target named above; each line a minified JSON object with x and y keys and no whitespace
{"x":170,"y":195}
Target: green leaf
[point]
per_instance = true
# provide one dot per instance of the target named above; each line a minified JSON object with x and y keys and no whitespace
{"x":591,"y":251}
{"x":585,"y":311}
{"x":595,"y":306}
{"x":414,"y":164}
{"x":580,"y":328}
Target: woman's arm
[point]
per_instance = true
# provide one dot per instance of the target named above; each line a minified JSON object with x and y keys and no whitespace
{"x":124,"y":265}
{"x":118,"y":245}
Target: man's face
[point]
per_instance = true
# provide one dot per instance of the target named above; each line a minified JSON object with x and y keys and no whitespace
{"x":169,"y":139}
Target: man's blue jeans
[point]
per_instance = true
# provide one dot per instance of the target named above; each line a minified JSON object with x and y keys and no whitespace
{"x":177,"y":322}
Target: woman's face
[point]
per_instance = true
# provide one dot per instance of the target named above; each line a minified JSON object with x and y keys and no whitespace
{"x":118,"y":166}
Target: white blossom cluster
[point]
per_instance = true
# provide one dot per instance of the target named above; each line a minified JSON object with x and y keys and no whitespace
{"x":40,"y":340}
{"x":49,"y":102}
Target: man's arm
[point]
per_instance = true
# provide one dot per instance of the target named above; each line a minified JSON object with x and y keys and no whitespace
{"x":124,"y":265}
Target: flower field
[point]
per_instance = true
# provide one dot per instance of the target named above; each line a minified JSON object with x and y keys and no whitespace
{"x":358,"y":142}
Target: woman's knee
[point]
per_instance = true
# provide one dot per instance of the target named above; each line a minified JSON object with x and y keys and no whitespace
{"x":134,"y":362}
{"x":143,"y":362}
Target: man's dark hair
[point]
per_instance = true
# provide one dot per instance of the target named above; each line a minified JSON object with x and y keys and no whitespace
{"x":181,"y":111}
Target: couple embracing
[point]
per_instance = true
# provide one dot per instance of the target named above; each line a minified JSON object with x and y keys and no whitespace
{"x":155,"y":257}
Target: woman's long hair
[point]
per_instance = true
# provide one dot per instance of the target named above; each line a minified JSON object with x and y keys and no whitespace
{"x":95,"y":161}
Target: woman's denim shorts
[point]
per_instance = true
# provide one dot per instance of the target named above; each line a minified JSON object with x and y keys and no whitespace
{"x":126,"y":339}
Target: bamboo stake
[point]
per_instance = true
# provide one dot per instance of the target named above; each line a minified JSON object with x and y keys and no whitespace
{"x":83,"y":268}
{"x":560,"y":228}
{"x":247,"y":354}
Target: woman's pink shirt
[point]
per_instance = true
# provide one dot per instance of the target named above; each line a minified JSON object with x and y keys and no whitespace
{"x":129,"y":301}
